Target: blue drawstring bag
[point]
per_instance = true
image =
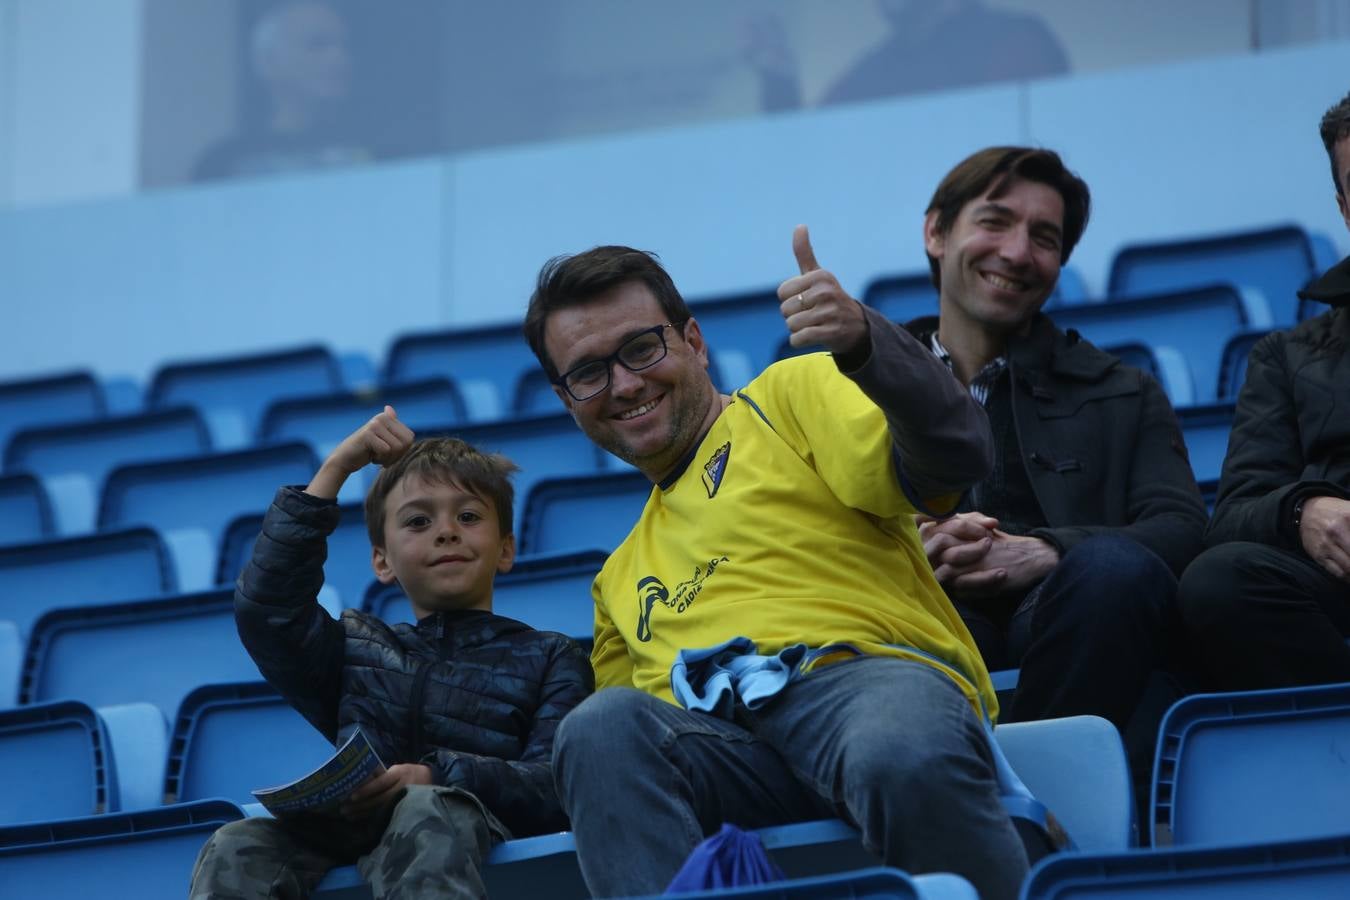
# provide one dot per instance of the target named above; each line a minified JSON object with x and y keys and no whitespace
{"x":730,"y":858}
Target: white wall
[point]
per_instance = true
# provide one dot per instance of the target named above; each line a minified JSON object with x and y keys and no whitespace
{"x":354,"y":258}
{"x":71,"y":97}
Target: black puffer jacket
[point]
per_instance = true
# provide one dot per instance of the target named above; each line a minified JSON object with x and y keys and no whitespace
{"x":1101,"y":446}
{"x":475,"y":696}
{"x":1291,"y":435}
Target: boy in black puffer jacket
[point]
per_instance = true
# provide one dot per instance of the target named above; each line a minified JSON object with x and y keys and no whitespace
{"x":462,"y":707}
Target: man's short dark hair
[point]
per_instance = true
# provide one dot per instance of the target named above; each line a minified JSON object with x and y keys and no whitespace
{"x":1336,"y":127}
{"x":573,"y":280}
{"x":445,"y":461}
{"x":992,"y":171}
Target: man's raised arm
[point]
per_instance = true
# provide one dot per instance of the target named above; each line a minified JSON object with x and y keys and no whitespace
{"x":941,"y":433}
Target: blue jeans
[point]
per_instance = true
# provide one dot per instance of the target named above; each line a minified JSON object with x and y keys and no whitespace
{"x":890,"y":745}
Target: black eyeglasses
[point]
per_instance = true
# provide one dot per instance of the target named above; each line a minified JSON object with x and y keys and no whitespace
{"x":641,"y":351}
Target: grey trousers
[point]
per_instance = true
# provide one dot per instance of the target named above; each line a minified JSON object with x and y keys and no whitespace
{"x":431,"y":843}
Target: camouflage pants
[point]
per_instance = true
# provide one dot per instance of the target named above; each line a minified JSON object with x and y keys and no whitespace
{"x":429,"y":844}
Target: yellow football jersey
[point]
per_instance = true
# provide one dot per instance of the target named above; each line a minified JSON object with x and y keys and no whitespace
{"x":788,"y":525}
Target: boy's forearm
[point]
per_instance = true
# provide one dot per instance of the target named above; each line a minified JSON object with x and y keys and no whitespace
{"x":328,"y":481}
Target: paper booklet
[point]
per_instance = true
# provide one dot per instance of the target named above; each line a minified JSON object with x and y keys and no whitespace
{"x":325,"y":789}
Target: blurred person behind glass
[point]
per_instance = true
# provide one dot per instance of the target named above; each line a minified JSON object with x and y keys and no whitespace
{"x":932,"y":45}
{"x":300,"y":55}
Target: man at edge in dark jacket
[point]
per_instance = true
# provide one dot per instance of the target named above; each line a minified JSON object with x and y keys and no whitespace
{"x":1268,"y":605}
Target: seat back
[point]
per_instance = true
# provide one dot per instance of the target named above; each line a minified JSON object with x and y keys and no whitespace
{"x":232,"y":739}
{"x":53,"y":763}
{"x":347,"y":569}
{"x":71,"y":397}
{"x":534,"y":394}
{"x":82,"y":571}
{"x":192,"y":501}
{"x":1196,"y":323}
{"x":1254,"y":766}
{"x":582,"y":513}
{"x":1206,"y":430}
{"x":1077,"y":767}
{"x":143,"y":855}
{"x":25,"y":511}
{"x":1233,"y":372}
{"x":484,"y":362}
{"x":549,"y":593}
{"x":232,"y":392}
{"x":324,"y":421}
{"x":1276,"y":262}
{"x":743,"y":330}
{"x":74,"y":460}
{"x":543,"y":446}
{"x":1298,"y":869}
{"x":903,"y":298}
{"x":156,"y":651}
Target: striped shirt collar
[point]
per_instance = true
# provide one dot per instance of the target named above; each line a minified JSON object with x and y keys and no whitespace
{"x":983,"y":380}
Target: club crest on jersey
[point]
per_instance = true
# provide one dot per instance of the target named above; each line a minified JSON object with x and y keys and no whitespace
{"x":715,"y":468}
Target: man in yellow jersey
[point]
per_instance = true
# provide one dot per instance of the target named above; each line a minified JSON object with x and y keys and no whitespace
{"x":1064,"y":559}
{"x":770,"y":641}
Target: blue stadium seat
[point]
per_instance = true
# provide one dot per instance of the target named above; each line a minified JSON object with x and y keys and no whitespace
{"x":144,"y":855}
{"x":1269,"y":266}
{"x":1164,"y":363}
{"x":534,"y":394}
{"x":550,"y":593}
{"x":232,"y":392}
{"x":191,"y":501}
{"x":73,"y":460}
{"x":903,"y":298}
{"x":25,"y":511}
{"x":484,"y":362}
{"x":72,"y":397}
{"x":543,"y":446}
{"x":347,"y":570}
{"x":1195,"y":323}
{"x":231,"y":739}
{"x":1233,"y":372}
{"x":582,"y":513}
{"x":82,"y":571}
{"x":1206,"y":429}
{"x":53,"y":763}
{"x":1295,"y":870}
{"x":323,"y":421}
{"x":743,"y":330}
{"x":1077,"y":767}
{"x":1254,"y":766}
{"x":152,"y":651}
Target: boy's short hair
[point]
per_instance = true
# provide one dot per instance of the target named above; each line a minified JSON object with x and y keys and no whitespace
{"x":487,"y":475}
{"x":993,"y":170}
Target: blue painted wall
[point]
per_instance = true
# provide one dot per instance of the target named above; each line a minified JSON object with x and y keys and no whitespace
{"x":354,"y":258}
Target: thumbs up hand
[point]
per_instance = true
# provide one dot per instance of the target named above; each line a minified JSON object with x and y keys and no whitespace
{"x":381,"y":440}
{"x":816,"y":308}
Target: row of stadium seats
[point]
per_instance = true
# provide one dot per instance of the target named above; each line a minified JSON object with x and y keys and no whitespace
{"x":1246,"y":796}
{"x":1215,"y":288}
